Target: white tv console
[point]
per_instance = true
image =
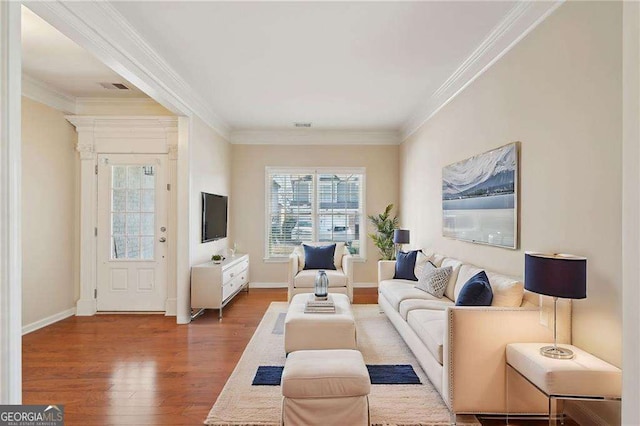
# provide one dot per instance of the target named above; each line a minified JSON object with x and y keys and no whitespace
{"x":214,"y":284}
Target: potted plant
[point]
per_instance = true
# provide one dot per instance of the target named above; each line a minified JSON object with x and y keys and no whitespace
{"x":383,"y":238}
{"x":217,"y":258}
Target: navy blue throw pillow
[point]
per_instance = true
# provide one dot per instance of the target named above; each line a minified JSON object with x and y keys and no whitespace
{"x":405,"y":264}
{"x":320,"y":257}
{"x":476,"y":291}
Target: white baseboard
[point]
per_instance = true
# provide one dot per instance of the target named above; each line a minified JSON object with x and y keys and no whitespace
{"x":48,"y":321}
{"x":267,"y":285}
{"x":365,"y":285}
{"x":171,"y":307}
{"x":86,"y":307}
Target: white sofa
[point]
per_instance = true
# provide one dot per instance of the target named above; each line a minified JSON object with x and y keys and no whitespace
{"x":462,"y":349}
{"x":303,"y":280}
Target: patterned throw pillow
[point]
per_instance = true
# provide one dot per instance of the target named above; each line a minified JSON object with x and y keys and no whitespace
{"x":434,"y":280}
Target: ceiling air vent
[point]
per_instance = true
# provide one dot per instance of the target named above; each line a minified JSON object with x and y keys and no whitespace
{"x":302,"y":125}
{"x":114,"y":86}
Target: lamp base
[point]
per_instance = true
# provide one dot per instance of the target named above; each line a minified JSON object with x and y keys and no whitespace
{"x":556,"y":352}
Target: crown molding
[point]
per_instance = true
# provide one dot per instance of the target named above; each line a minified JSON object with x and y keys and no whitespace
{"x":103,"y":31}
{"x":521,"y":19}
{"x":42,"y":92}
{"x":314,"y":137}
{"x":114,"y":122}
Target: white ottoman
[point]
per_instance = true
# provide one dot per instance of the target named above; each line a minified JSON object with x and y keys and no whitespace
{"x":319,"y":331}
{"x":324,"y":388}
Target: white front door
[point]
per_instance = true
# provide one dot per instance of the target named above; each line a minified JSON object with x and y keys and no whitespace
{"x":132,"y":232}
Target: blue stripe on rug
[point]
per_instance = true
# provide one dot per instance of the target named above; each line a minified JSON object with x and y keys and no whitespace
{"x":402,"y":374}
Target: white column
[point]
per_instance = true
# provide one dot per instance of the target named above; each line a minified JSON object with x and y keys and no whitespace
{"x":86,"y":305}
{"x":171,"y":307}
{"x":183,"y":272}
{"x":630,"y":213}
{"x":10,"y":207}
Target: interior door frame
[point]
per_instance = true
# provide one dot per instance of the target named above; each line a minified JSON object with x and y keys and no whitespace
{"x":103,"y":240}
{"x":10,"y":204}
{"x":121,"y":135}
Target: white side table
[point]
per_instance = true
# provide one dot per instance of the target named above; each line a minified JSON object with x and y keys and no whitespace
{"x":585,"y":377}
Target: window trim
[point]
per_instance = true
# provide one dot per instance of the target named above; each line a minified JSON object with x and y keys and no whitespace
{"x":315,"y":171}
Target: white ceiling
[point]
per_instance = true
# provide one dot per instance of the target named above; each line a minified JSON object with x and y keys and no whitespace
{"x":340,"y":65}
{"x":53,"y":59}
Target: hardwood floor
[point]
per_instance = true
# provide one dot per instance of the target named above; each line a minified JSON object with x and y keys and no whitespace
{"x":144,"y":369}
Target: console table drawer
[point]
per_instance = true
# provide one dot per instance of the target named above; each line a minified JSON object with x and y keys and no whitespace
{"x":234,"y":285}
{"x":234,"y":271}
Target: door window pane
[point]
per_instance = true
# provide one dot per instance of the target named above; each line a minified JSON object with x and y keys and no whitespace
{"x":133,"y":212}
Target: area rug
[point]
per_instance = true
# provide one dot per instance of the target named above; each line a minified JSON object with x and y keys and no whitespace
{"x":270,"y":375}
{"x":240,"y":403}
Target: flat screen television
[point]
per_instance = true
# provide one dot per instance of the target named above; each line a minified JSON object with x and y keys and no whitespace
{"x":214,"y":217}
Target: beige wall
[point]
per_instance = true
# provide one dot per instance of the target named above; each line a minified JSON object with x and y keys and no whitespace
{"x":248,"y":195}
{"x":49,"y":213}
{"x":210,"y":171}
{"x":559,"y":93}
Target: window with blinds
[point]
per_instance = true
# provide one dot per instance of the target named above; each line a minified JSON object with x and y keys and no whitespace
{"x":313,"y":205}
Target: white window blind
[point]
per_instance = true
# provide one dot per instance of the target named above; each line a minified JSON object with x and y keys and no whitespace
{"x":305,"y":205}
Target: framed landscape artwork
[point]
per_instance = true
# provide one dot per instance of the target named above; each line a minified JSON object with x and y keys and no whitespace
{"x":480,"y":198}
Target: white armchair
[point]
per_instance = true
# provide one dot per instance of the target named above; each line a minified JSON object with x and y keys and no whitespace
{"x":302,"y":280}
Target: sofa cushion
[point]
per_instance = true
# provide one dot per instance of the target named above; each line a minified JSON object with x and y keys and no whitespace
{"x":421,"y":260}
{"x":405,"y":265}
{"x":455,"y":267}
{"x":507,"y":292}
{"x":337,"y":258}
{"x":395,"y":291}
{"x":434,"y":304}
{"x":319,"y":257}
{"x":476,"y":291}
{"x":429,"y":326}
{"x":434,"y":280}
{"x":436,"y":259}
{"x":307,"y":278}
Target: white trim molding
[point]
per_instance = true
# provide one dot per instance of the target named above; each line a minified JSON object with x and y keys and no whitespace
{"x":114,"y":134}
{"x":10,"y":205}
{"x":267,"y":285}
{"x":40,"y":91}
{"x":365,"y":285}
{"x":521,"y":19}
{"x":51,"y":319}
{"x":102,"y":30}
{"x":630,"y":212}
{"x":314,"y":137}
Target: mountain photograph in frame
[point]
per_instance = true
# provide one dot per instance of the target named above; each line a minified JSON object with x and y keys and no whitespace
{"x":480,"y":198}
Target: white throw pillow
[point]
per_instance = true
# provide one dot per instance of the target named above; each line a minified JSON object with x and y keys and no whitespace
{"x":434,"y":280}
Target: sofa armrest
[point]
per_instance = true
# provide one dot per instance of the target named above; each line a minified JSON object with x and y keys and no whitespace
{"x":386,"y":270}
{"x":347,"y":268}
{"x":292,"y":271}
{"x":474,"y":354}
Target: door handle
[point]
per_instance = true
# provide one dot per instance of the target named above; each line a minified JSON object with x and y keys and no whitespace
{"x":162,"y":239}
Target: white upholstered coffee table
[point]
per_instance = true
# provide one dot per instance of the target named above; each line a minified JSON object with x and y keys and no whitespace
{"x":308,"y":331}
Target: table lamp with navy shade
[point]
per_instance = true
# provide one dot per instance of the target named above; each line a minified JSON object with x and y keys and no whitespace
{"x":556,"y":275}
{"x":400,"y":237}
